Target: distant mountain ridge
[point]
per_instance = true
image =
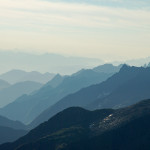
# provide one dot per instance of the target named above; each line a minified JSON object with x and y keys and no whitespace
{"x":5,"y":122}
{"x":4,"y":84}
{"x":15,"y":76}
{"x":127,"y":93}
{"x":8,"y":95}
{"x":50,"y":62}
{"x":58,"y":79}
{"x":50,"y":93}
{"x":108,"y":68}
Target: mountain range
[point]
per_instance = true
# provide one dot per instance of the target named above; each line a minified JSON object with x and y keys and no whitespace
{"x":76,"y":128}
{"x":100,"y":111}
{"x":11,"y":130}
{"x":32,"y":105}
{"x":3,"y":84}
{"x":5,"y":122}
{"x":12,"y":92}
{"x":15,"y":76}
{"x":47,"y":62}
{"x":121,"y":89}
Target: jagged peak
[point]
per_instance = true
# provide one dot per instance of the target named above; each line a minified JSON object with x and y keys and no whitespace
{"x":125,"y":67}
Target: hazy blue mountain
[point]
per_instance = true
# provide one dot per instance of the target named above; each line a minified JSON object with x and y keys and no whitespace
{"x":108,"y":68}
{"x":15,"y":76}
{"x":87,"y":96}
{"x":79,"y":129}
{"x":127,"y":93}
{"x":54,"y":63}
{"x":10,"y":135}
{"x":11,"y":130}
{"x":58,"y":79}
{"x":4,"y":84}
{"x":31,"y":106}
{"x":11,"y":93}
{"x":5,"y":122}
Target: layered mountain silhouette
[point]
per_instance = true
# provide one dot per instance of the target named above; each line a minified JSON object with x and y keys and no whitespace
{"x":4,"y":84}
{"x":5,"y":122}
{"x":77,"y":128}
{"x":122,"y":89}
{"x":8,"y":95}
{"x":58,"y":79}
{"x":10,"y":135}
{"x":15,"y":76}
{"x":11,"y":130}
{"x":127,"y":93}
{"x":28,"y":107}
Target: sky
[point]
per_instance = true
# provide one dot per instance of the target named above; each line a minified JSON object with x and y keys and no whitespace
{"x":105,"y":29}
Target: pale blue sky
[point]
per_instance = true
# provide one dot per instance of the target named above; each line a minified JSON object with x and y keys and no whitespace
{"x":107,"y":29}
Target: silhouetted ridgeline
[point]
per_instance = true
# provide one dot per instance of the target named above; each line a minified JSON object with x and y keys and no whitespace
{"x":11,"y":130}
{"x":32,"y":105}
{"x":122,"y":89}
{"x":76,"y":128}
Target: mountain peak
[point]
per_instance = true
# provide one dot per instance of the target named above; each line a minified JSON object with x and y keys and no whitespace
{"x":124,"y":67}
{"x":107,"y":68}
{"x":57,"y":79}
{"x":58,"y":76}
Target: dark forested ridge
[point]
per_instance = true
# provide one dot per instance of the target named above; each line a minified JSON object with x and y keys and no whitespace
{"x":77,"y":128}
{"x":8,"y":134}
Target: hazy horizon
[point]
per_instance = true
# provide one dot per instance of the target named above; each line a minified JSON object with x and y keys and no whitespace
{"x":56,"y":63}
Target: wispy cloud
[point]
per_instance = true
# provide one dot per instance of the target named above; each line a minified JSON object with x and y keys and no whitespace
{"x":35,"y":12}
{"x":56,"y":19}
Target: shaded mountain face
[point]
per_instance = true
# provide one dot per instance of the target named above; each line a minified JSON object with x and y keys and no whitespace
{"x":11,"y":93}
{"x":27,"y":108}
{"x":57,"y":80}
{"x":126,"y":129}
{"x":87,"y":97}
{"x":5,"y":122}
{"x":15,"y":76}
{"x":10,"y":135}
{"x":77,"y":128}
{"x":4,"y":84}
{"x":11,"y":130}
{"x":76,"y":118}
{"x":127,"y":93}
